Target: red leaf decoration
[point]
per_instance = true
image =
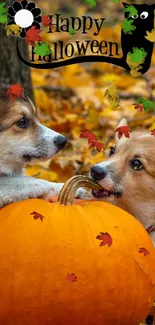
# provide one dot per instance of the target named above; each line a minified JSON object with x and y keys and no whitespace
{"x":123,"y":130}
{"x":144,"y":251}
{"x":46,"y":21}
{"x":71,"y":277}
{"x":15,"y":91}
{"x":92,"y":140}
{"x":153,"y":132}
{"x":140,"y":107}
{"x":105,"y":238}
{"x":98,"y":145}
{"x":89,"y":135}
{"x":37,"y":215}
{"x":33,"y":36}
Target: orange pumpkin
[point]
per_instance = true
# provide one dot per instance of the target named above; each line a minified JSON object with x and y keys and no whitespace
{"x":90,"y":263}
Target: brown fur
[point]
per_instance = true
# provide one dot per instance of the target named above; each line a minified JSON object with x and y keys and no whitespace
{"x":137,"y":186}
{"x":21,"y":145}
{"x":23,"y":139}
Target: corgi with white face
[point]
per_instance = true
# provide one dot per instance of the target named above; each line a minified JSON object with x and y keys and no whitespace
{"x":128,"y":177}
{"x":23,"y":139}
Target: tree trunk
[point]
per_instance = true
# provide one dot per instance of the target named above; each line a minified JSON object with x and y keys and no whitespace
{"x":12,"y":70}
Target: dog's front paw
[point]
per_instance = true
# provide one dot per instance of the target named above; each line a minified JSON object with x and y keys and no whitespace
{"x":82,"y":194}
{"x":53,"y":191}
{"x":6,"y":200}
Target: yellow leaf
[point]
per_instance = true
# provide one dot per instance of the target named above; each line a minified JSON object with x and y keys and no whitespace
{"x":135,"y":67}
{"x":113,"y":96}
{"x":135,"y":71}
{"x":13,"y":28}
{"x":150,"y":35}
{"x":41,"y":172}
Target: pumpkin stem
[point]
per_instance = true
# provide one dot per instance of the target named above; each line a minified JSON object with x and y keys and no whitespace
{"x":67,"y":193}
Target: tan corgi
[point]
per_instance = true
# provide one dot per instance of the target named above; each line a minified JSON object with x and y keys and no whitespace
{"x":128,"y":177}
{"x":23,"y":139}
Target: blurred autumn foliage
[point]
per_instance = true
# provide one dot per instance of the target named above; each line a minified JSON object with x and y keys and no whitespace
{"x":72,"y":98}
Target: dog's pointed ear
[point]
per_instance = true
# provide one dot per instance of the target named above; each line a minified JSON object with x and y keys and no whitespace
{"x":122,"y":122}
{"x":32,"y":106}
{"x":125,"y":4}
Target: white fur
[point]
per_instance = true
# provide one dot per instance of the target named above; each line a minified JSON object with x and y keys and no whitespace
{"x":38,"y":142}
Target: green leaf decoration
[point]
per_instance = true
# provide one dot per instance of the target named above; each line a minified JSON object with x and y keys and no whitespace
{"x":2,"y":9}
{"x":116,"y":1}
{"x":138,"y":55}
{"x":147,"y":104}
{"x":131,"y":10}
{"x":90,"y":3}
{"x":3,"y":19}
{"x":127,"y":26}
{"x":42,"y":49}
{"x":72,"y":31}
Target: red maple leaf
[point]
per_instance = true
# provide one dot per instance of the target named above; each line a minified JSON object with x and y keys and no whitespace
{"x":123,"y":130}
{"x":71,"y":277}
{"x":98,"y":145}
{"x":92,"y":140}
{"x":33,"y":36}
{"x":106,"y":239}
{"x":89,"y":135}
{"x":15,"y":91}
{"x":140,"y":107}
{"x":37,"y":215}
{"x":153,"y":132}
{"x":144,"y":251}
{"x":46,"y":21}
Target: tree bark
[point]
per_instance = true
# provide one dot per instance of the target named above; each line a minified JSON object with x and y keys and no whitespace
{"x":12,"y":70}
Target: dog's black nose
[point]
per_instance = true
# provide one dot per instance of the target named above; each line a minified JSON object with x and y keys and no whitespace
{"x":97,"y":173}
{"x":60,"y":141}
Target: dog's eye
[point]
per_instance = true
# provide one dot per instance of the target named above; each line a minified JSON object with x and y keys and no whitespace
{"x":23,"y":123}
{"x":112,"y":151}
{"x":136,"y":164}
